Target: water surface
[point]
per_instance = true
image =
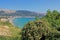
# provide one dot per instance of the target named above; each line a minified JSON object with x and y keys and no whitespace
{"x":20,"y":22}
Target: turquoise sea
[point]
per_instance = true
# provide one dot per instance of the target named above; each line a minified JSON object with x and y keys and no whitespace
{"x":20,"y":22}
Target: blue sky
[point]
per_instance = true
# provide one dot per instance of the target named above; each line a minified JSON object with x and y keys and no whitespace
{"x":31,"y":5}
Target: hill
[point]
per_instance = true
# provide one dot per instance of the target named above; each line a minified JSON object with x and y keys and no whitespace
{"x":8,"y":31}
{"x":6,"y":12}
{"x":45,"y":28}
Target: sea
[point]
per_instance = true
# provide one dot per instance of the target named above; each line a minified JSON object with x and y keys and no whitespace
{"x":21,"y":22}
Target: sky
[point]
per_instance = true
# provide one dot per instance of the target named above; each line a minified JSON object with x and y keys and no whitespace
{"x":31,"y":5}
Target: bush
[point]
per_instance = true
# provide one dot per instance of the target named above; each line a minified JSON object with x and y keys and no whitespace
{"x":45,"y":28}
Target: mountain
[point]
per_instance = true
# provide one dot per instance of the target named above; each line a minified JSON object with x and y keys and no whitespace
{"x":6,"y":12}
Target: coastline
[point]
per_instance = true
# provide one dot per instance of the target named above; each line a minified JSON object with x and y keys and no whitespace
{"x":11,"y":18}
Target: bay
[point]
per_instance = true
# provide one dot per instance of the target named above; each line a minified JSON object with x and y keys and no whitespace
{"x":20,"y":22}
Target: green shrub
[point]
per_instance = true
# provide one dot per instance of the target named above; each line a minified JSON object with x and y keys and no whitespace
{"x":46,"y":28}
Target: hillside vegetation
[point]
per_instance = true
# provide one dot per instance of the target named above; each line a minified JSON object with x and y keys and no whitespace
{"x":45,"y":28}
{"x":9,"y":32}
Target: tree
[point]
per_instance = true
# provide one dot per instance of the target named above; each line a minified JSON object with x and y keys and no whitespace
{"x":48,"y":13}
{"x":37,"y":18}
{"x":38,"y":30}
{"x":45,"y":28}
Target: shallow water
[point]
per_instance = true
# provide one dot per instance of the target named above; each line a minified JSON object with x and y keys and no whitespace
{"x":20,"y":22}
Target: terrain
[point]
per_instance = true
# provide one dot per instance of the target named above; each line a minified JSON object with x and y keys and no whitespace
{"x":6,"y":12}
{"x":8,"y":31}
{"x":45,"y":28}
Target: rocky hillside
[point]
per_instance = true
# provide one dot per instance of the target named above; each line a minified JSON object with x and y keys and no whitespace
{"x":6,"y":12}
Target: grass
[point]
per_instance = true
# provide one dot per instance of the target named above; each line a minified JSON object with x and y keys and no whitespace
{"x":15,"y":32}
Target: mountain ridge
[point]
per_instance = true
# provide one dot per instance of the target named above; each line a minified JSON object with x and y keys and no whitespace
{"x":7,"y":12}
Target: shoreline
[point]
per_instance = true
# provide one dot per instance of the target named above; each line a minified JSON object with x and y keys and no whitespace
{"x":11,"y":18}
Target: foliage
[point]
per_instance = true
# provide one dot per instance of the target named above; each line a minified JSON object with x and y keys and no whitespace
{"x":37,"y":18}
{"x":46,"y":28}
{"x":15,"y":33}
{"x":9,"y":38}
{"x":6,"y":23}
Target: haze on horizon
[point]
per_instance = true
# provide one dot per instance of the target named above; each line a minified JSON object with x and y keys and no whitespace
{"x":31,"y":5}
